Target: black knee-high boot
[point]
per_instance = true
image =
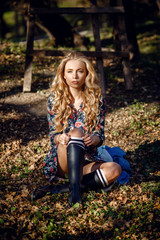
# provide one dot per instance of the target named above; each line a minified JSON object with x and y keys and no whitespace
{"x":49,"y":189}
{"x":75,"y":160}
{"x":95,"y":180}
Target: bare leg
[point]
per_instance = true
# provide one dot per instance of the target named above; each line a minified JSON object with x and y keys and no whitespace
{"x":62,"y":160}
{"x":111,"y":170}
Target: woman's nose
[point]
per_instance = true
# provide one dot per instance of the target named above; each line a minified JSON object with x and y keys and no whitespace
{"x":74,"y":75}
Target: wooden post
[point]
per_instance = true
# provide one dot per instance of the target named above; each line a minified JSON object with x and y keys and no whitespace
{"x":123,"y":41}
{"x":124,"y":47}
{"x":99,"y":60}
{"x":28,"y":64}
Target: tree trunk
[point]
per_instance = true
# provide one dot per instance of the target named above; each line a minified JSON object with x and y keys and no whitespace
{"x":56,"y":26}
{"x":3,"y":27}
{"x":130,"y":28}
{"x":131,"y":31}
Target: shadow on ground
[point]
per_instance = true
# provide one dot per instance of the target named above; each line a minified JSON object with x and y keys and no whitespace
{"x":145,"y":163}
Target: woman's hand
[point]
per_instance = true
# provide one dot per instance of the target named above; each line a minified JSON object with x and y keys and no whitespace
{"x":62,"y":139}
{"x":90,"y":139}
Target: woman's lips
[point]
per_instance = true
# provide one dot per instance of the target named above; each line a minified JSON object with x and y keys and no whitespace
{"x":75,"y":82}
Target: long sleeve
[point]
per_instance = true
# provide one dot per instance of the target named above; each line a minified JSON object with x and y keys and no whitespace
{"x":50,"y":117}
{"x":101,"y":123}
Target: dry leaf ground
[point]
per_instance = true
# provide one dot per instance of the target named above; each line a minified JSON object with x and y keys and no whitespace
{"x":132,"y":123}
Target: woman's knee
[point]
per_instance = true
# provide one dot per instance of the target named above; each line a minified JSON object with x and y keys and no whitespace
{"x":113,"y":169}
{"x":117,"y":169}
{"x":76,"y":132}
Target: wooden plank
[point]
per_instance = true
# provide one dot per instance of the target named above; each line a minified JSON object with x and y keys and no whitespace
{"x":124,"y":47}
{"x":99,"y":60}
{"x":104,"y":54}
{"x":92,"y":10}
{"x":29,"y":58}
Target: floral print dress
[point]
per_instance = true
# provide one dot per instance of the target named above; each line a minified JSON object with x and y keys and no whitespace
{"x":76,"y":120}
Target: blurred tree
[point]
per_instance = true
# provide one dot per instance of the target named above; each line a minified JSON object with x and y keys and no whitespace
{"x":158,"y":5}
{"x":15,"y":23}
{"x":56,"y":26}
{"x":130,"y":28}
{"x":146,"y":9}
{"x":59,"y":28}
{"x":3,"y":26}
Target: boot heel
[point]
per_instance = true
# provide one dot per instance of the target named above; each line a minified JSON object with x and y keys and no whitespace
{"x":74,"y":195}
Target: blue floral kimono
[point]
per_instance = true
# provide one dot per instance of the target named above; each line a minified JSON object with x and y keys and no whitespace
{"x":76,"y":120}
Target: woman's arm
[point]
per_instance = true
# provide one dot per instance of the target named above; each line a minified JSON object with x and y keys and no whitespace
{"x":101,"y":123}
{"x":54,"y":137}
{"x":97,"y":137}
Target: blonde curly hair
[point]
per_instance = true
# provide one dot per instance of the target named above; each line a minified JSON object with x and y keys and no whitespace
{"x":91,"y":95}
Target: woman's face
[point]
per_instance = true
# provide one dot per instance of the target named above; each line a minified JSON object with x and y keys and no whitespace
{"x":75,"y":74}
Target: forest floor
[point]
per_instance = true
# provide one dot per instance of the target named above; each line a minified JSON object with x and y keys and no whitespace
{"x":129,"y":211}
